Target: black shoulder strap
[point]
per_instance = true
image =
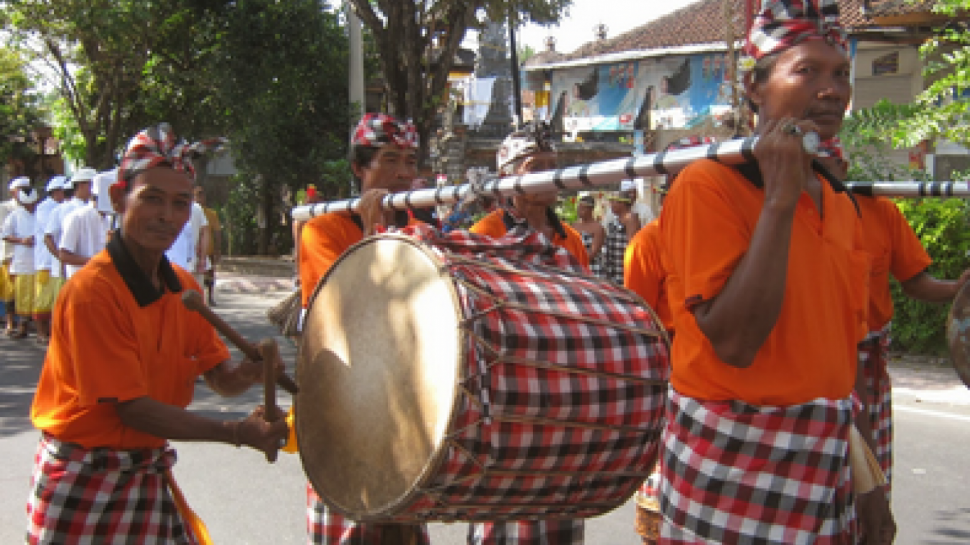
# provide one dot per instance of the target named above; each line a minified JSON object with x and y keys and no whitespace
{"x":752,"y":173}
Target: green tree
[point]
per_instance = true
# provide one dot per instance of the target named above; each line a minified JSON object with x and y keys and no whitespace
{"x":20,"y":110}
{"x":282,"y":75}
{"x":417,"y":41}
{"x":942,"y":110}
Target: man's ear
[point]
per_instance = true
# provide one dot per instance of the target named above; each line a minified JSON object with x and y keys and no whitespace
{"x":752,"y":90}
{"x":357,"y":170}
{"x":117,"y":194}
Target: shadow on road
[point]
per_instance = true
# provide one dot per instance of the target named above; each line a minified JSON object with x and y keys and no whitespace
{"x":20,"y":363}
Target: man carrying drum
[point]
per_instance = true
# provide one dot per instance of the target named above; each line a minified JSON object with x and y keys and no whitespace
{"x":523,"y":152}
{"x":121,"y":367}
{"x":768,"y":290}
{"x":383,"y":158}
{"x":895,"y":249}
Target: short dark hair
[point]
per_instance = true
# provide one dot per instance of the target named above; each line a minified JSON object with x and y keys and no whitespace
{"x":362,"y":157}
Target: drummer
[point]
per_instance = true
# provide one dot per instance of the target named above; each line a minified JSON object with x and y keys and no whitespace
{"x":896,"y":250}
{"x":121,"y":367}
{"x":383,"y":159}
{"x":523,"y":152}
{"x":769,"y":269}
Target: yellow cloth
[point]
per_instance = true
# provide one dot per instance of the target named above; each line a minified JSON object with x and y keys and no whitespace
{"x":212,"y":218}
{"x":45,"y":291}
{"x":193,"y":521}
{"x":6,"y":284}
{"x":23,"y":292}
{"x":291,"y":445}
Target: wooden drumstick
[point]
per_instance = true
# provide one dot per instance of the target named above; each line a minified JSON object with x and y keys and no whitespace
{"x":193,"y":301}
{"x":270,"y":354}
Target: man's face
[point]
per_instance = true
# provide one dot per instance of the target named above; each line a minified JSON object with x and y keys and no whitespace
{"x":391,"y":168}
{"x":200,"y":196}
{"x":539,"y":162}
{"x":57,"y":195}
{"x":156,"y":208}
{"x":82,"y":190}
{"x":808,"y":81}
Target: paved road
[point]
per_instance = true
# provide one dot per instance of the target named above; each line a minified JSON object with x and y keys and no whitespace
{"x":246,"y":501}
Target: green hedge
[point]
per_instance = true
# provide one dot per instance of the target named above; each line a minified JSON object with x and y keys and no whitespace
{"x":943,"y":227}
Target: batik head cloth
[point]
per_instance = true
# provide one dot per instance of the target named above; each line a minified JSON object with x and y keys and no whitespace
{"x":375,"y":130}
{"x":532,"y":139}
{"x":785,"y":23}
{"x":159,"y":145}
{"x":832,"y":148}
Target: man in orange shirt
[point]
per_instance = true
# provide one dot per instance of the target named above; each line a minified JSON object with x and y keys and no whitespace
{"x":895,"y":249}
{"x":383,"y":158}
{"x":523,"y":152}
{"x":768,"y":290}
{"x":121,"y":368}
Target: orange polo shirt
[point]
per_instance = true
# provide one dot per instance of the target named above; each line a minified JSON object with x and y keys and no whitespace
{"x":108,"y":347}
{"x":644,"y":272}
{"x":894,"y":248}
{"x":324,"y":239}
{"x":706,"y":227}
{"x":494,"y":226}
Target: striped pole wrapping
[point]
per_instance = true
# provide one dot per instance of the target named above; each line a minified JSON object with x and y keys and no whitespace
{"x":911,"y":189}
{"x":732,"y":152}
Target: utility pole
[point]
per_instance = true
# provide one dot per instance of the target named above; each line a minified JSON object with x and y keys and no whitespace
{"x":516,"y":84}
{"x":356,"y":86}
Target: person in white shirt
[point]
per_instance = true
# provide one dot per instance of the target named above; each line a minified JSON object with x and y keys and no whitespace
{"x":82,"y":236}
{"x":6,"y":255}
{"x":19,"y":229}
{"x":80,"y":186}
{"x":44,"y":290}
{"x":189,"y":248}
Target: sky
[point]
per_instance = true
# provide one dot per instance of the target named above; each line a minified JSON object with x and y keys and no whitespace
{"x":576,"y":28}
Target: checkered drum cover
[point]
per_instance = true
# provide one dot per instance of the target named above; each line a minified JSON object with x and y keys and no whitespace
{"x":562,"y":395}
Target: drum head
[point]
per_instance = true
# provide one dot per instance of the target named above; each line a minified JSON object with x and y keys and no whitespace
{"x":958,"y":334}
{"x":378,"y":374}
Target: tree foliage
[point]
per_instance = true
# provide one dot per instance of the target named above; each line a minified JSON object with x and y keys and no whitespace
{"x":417,"y":41}
{"x":942,"y":110}
{"x":20,"y":109}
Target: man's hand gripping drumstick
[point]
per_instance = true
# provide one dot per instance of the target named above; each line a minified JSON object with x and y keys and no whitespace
{"x":267,"y":351}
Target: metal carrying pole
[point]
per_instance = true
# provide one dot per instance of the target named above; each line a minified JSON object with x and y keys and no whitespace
{"x":588,"y":176}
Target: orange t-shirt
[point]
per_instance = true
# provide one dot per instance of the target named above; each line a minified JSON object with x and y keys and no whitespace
{"x":706,"y":227}
{"x":106,"y":348}
{"x":644,"y":272}
{"x":324,"y":239}
{"x":494,"y":226}
{"x":894,"y":248}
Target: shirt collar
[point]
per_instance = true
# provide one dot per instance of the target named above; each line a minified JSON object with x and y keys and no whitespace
{"x":139,"y":285}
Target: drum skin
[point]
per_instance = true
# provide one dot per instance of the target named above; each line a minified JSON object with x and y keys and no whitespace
{"x":958,"y":334}
{"x":458,"y":377}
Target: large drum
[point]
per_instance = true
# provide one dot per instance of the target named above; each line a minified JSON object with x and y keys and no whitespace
{"x":457,"y":377}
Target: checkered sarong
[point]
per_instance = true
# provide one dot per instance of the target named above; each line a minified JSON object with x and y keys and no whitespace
{"x":325,"y":527}
{"x":737,"y":473}
{"x":595,"y":262}
{"x":613,"y":249}
{"x":873,"y":353}
{"x":538,"y":532}
{"x":562,"y":391}
{"x":82,"y":496}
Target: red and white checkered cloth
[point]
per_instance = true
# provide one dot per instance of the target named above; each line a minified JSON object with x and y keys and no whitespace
{"x":159,"y":145}
{"x":560,"y":391}
{"x":375,"y":130}
{"x":539,"y":532}
{"x":325,"y":527}
{"x":738,"y":473}
{"x":81,"y":496}
{"x":874,"y":354}
{"x":785,"y":23}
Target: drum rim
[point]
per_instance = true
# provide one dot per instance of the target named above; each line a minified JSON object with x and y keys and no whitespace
{"x":392,"y":509}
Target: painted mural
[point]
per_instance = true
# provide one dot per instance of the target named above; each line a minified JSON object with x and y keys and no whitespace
{"x":668,"y":92}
